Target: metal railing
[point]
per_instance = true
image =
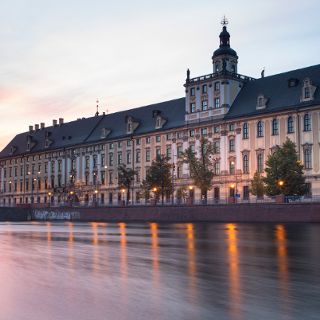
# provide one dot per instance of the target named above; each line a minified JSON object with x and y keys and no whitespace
{"x":177,"y":202}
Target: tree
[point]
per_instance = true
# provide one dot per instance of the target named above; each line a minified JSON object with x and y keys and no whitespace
{"x":257,"y":185}
{"x":201,"y":168}
{"x":182,"y":193}
{"x":145,"y":190}
{"x":125,"y":178}
{"x":159,"y":176}
{"x":283,"y":165}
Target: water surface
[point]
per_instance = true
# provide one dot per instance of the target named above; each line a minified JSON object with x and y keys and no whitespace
{"x":159,"y":271}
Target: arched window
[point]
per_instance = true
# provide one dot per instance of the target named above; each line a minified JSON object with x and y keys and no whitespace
{"x":307,"y":158}
{"x":260,"y":129}
{"x":275,"y":130}
{"x":232,"y":167}
{"x":290,"y":125}
{"x":216,"y":168}
{"x":245,"y":131}
{"x":260,"y":162}
{"x":231,"y":145}
{"x":245,"y":162}
{"x":307,"y":122}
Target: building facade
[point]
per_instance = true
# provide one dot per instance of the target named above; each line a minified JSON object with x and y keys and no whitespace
{"x":244,"y":118}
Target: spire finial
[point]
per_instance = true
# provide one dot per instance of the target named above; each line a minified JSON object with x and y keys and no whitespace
{"x":97,"y":102}
{"x":224,"y":21}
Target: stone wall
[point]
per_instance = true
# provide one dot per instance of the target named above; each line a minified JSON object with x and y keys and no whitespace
{"x":15,"y":214}
{"x":217,"y":213}
{"x":273,"y":213}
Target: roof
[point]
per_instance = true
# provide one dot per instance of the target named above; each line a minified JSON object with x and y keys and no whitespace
{"x":87,"y":130}
{"x":276,"y":89}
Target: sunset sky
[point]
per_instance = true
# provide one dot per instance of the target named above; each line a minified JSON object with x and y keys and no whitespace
{"x":58,"y":57}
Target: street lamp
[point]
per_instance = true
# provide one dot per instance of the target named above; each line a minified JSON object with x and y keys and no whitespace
{"x":122,"y":195}
{"x":233,"y":188}
{"x":281,"y":183}
{"x":49,"y":194}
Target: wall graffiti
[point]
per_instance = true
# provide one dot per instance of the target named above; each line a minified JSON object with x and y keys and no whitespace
{"x":55,"y":215}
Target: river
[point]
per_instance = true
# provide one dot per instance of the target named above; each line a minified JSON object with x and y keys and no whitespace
{"x":93,"y":271}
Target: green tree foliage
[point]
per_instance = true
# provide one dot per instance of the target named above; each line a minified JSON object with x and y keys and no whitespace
{"x":145,"y":190}
{"x":201,"y":168}
{"x":283,"y":165}
{"x":125,"y":178}
{"x":159,"y":176}
{"x":257,"y":185}
{"x":182,"y":194}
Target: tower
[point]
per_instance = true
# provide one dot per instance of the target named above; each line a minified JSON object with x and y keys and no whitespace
{"x":210,"y":96}
{"x":224,"y":58}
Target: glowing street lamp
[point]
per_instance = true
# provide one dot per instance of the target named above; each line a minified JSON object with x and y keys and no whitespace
{"x":281,"y":183}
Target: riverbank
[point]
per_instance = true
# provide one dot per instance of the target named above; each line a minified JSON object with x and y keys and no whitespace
{"x":293,"y":212}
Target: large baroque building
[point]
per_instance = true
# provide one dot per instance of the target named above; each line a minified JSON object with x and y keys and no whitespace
{"x":244,"y":118}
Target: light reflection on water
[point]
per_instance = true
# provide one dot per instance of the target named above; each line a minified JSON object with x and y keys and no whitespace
{"x":159,"y":271}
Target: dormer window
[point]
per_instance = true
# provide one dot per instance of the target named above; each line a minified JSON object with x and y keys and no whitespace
{"x":307,"y":93}
{"x":308,"y":90}
{"x":131,"y":124}
{"x":158,"y":122}
{"x":261,"y":102}
{"x":217,"y":66}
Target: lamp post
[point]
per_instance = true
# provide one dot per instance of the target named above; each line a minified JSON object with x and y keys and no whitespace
{"x":191,"y":194}
{"x":132,"y":142}
{"x":122,"y":196}
{"x":49,"y":195}
{"x":281,"y":184}
{"x":233,"y":187}
{"x":173,"y":169}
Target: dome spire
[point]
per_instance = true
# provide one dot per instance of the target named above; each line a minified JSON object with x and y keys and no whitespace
{"x":224,"y":35}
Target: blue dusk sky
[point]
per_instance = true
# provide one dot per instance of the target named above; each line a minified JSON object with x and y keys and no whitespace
{"x":57,"y":57}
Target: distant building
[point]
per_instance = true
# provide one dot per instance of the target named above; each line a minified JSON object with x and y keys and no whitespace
{"x":245,"y":118}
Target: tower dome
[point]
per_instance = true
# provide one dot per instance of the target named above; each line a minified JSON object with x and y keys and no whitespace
{"x":224,"y":58}
{"x":224,"y":45}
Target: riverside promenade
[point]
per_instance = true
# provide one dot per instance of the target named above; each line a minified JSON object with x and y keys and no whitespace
{"x":255,"y":212}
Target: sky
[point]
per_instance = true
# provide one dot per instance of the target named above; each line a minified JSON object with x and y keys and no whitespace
{"x":58,"y":57}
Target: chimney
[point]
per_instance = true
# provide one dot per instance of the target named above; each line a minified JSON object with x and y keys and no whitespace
{"x":42,"y":125}
{"x":54,"y":122}
{"x":36,"y":127}
{"x":60,"y":121}
{"x":30,"y":128}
